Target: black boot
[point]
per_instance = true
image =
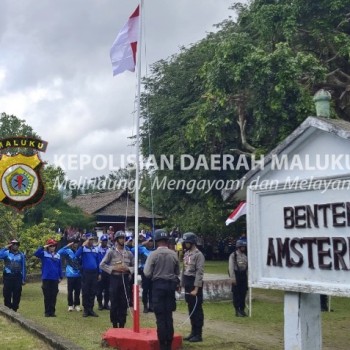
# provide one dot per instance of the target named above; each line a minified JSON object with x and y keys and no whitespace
{"x":145,"y":308}
{"x":92,"y":313}
{"x":190,"y":335}
{"x":196,"y":339}
{"x":241,"y":312}
{"x":85,"y":313}
{"x":100,"y":306}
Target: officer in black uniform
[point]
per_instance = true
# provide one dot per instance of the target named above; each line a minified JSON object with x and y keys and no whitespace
{"x":162,"y":266}
{"x":192,"y":281}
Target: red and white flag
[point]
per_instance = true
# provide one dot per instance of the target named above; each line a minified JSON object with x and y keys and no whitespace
{"x":237,"y":213}
{"x":123,"y":50}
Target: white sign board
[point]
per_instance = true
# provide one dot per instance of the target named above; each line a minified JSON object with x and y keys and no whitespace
{"x":299,"y":237}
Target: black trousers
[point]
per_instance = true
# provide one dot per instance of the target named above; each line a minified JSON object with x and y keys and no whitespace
{"x":50,"y":291}
{"x":146,"y":284}
{"x":12,"y":290}
{"x":164,"y":303}
{"x":89,"y":289}
{"x":239,"y":291}
{"x":103,"y":289}
{"x":74,"y":289}
{"x":194,"y":306}
{"x":119,"y":295}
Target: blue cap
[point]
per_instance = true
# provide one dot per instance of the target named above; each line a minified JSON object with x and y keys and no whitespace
{"x":89,"y":236}
{"x":104,"y":238}
{"x":149,"y":235}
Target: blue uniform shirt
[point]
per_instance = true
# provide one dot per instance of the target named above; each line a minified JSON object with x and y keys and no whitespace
{"x":51,"y":268}
{"x":73,"y":263}
{"x":89,"y":258}
{"x":15,"y":263}
{"x":143,"y":255}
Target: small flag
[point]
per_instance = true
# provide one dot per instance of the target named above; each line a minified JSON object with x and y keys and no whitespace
{"x":237,"y":213}
{"x":123,"y":50}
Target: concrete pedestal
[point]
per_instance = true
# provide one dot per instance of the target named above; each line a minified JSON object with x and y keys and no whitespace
{"x":127,"y":339}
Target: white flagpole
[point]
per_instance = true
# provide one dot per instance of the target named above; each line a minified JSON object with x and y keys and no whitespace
{"x":137,"y":175}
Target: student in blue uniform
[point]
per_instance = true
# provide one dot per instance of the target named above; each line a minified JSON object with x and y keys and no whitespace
{"x":90,"y":274}
{"x":14,"y":274}
{"x":51,"y":275}
{"x":73,"y":274}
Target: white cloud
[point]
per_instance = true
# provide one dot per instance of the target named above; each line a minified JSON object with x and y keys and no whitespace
{"x":56,"y":74}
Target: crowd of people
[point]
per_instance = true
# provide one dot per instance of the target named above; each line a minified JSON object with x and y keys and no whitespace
{"x":101,"y":269}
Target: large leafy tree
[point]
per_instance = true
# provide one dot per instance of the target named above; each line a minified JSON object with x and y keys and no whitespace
{"x":242,"y":90}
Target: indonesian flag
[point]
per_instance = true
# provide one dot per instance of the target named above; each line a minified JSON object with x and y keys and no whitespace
{"x":123,"y":50}
{"x":237,"y":213}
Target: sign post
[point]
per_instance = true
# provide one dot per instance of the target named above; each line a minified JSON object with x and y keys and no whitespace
{"x":299,"y":238}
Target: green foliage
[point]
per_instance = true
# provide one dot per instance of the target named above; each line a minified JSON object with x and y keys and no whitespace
{"x":36,"y":224}
{"x":53,"y":205}
{"x":242,"y":89}
{"x":11,"y":126}
{"x":11,"y":223}
{"x":35,"y":236}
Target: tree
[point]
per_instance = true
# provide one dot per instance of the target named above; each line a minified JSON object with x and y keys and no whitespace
{"x":11,"y":126}
{"x":54,"y":206}
{"x":242,"y":90}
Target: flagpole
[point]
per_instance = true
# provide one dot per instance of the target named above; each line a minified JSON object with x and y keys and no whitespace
{"x":136,"y":303}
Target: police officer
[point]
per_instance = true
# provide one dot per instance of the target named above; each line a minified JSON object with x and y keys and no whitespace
{"x":192,"y":281}
{"x":118,"y":263}
{"x":14,"y":274}
{"x":162,"y":266}
{"x":238,"y":266}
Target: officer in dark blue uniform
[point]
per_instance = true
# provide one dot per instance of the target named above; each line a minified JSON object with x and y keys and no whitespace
{"x":14,"y":274}
{"x":103,"y":283}
{"x":90,"y":274}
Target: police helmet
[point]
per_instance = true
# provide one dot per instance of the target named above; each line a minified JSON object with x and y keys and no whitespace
{"x":241,"y":243}
{"x":119,"y":234}
{"x":189,"y":237}
{"x":160,"y":234}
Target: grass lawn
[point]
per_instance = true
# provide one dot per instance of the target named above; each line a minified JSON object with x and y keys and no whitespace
{"x":14,"y":337}
{"x":264,"y":331}
{"x":216,"y":267}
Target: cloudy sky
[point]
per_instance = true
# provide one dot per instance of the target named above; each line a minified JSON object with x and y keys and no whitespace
{"x":55,"y":70}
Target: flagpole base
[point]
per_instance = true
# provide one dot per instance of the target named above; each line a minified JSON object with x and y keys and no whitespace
{"x":145,"y":339}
